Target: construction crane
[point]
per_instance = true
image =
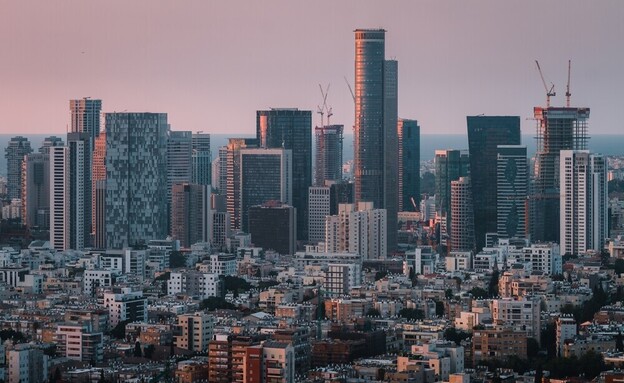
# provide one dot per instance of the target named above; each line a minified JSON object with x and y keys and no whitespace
{"x":323,"y":109}
{"x":568,"y":94}
{"x":350,"y":89}
{"x":549,"y":92}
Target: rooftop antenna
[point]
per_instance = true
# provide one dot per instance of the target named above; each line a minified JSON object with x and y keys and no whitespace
{"x":549,"y":92}
{"x":568,"y":94}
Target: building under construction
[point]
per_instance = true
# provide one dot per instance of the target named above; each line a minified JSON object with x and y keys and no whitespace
{"x":558,"y":128}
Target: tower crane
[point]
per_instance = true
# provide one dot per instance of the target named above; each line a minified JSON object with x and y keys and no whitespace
{"x":323,"y":109}
{"x":568,"y":94}
{"x":549,"y":92}
{"x":350,"y":89}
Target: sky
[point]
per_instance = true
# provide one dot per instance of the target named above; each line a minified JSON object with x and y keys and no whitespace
{"x":211,"y":64}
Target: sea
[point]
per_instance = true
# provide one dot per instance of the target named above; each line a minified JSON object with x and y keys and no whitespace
{"x":607,"y":144}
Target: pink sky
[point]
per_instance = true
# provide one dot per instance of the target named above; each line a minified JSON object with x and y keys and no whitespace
{"x":212,"y":64}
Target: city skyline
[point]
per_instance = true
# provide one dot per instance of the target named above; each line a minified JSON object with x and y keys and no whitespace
{"x":195,"y":78}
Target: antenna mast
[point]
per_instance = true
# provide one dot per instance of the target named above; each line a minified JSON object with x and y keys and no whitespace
{"x":568,"y":94}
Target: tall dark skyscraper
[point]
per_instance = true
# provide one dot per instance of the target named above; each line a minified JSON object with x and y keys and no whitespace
{"x":85,"y":117}
{"x":557,"y":129}
{"x":376,"y":143}
{"x":409,"y":165}
{"x":79,"y":172}
{"x":291,"y":129}
{"x":201,"y":159}
{"x":328,"y":162}
{"x":511,"y":189}
{"x":136,"y":178}
{"x":485,"y":133}
{"x":14,"y":153}
{"x":450,"y":165}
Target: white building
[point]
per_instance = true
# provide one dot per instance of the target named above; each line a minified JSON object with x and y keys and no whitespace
{"x":583,"y":203}
{"x":125,"y":304}
{"x":341,"y":277}
{"x":194,"y":283}
{"x":278,"y":362}
{"x":196,"y":331}
{"x":359,"y":229}
{"x":59,"y":197}
{"x":522,"y":314}
{"x":223,"y":264}
{"x":77,"y":341}
{"x":94,"y":279}
{"x":566,"y":331}
{"x":458,"y":260}
{"x":124,"y":261}
{"x":318,"y":209}
{"x":544,"y":258}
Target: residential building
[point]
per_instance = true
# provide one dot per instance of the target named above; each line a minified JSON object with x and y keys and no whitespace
{"x":79,"y":173}
{"x":191,"y":213}
{"x":98,"y":192}
{"x":26,"y":364}
{"x":450,"y":165}
{"x":59,"y":198}
{"x":85,"y":117}
{"x":462,"y":215}
{"x":77,"y":341}
{"x":278,"y":362}
{"x":195,"y":284}
{"x":196,"y":331}
{"x":498,"y":343}
{"x":519,"y":313}
{"x":124,"y":304}
{"x":319,"y":207}
{"x":565,"y":332}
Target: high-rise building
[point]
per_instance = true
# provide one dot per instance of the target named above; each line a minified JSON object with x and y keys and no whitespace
{"x":136,"y":178}
{"x":511,"y":190}
{"x":36,"y":190}
{"x":291,"y":129}
{"x":342,"y":192}
{"x":14,"y":153}
{"x":265,"y":175}
{"x":49,"y":142}
{"x":485,"y":133}
{"x":85,"y":117}
{"x":99,"y":228}
{"x":409,"y":164}
{"x":196,"y":331}
{"x":179,"y":155}
{"x":124,"y":304}
{"x":78,"y":341}
{"x":222,"y":173}
{"x":26,"y":364}
{"x":98,"y":177}
{"x":375,"y":146}
{"x":557,"y":129}
{"x":359,"y":229}
{"x":319,"y":208}
{"x":80,"y":197}
{"x":273,"y":226}
{"x":231,"y":159}
{"x":201,"y":159}
{"x":59,"y":197}
{"x":462,"y":218}
{"x":583,"y":204}
{"x":191,"y":213}
{"x":450,"y":165}
{"x":328,"y":161}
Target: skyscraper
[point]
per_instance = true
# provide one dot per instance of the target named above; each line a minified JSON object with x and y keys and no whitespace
{"x":511,"y":191}
{"x":272,"y":226}
{"x":409,"y":164}
{"x":450,"y":165}
{"x":49,"y":142}
{"x":328,"y":162}
{"x":557,"y":129}
{"x":85,"y":117}
{"x":136,"y":178}
{"x":375,"y":139}
{"x":583,"y":201}
{"x":319,"y":208}
{"x":179,"y":153}
{"x":36,"y":190}
{"x":14,"y":153}
{"x":191,"y":218}
{"x":98,"y":180}
{"x":291,"y":129}
{"x":59,"y":197}
{"x":485,"y":133}
{"x":231,"y":159}
{"x":265,"y":175}
{"x":462,"y":218}
{"x":80,"y":197}
{"x":201,"y":159}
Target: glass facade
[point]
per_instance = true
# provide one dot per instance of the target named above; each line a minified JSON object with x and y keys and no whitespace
{"x":409,"y":165}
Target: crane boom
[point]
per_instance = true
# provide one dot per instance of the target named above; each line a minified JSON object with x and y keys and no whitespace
{"x":568,"y":94}
{"x":350,"y":89}
{"x":549,"y":92}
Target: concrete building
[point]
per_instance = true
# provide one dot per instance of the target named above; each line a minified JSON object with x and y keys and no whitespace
{"x":278,"y":362}
{"x":196,"y":331}
{"x":80,"y":196}
{"x":408,"y":132}
{"x":94,"y":279}
{"x":520,"y":313}
{"x":191,"y":213}
{"x":583,"y":203}
{"x":195,"y":284}
{"x":290,"y":129}
{"x":59,"y":198}
{"x":77,"y":341}
{"x":136,"y":178}
{"x":273,"y":226}
{"x":462,"y":217}
{"x":328,"y":160}
{"x":498,"y":343}
{"x":358,"y":229}
{"x":201,"y":159}
{"x":98,"y":192}
{"x":375,"y":130}
{"x":36,"y":190}
{"x":450,"y":165}
{"x":14,"y":153}
{"x":230,"y":162}
{"x":85,"y":117}
{"x":319,"y":208}
{"x":179,"y":165}
{"x":26,"y":364}
{"x":565,"y":331}
{"x":125,"y":304}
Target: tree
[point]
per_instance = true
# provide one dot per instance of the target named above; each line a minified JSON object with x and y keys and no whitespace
{"x":532,"y":347}
{"x":454,"y":335}
{"x":380,"y":275}
{"x":119,"y":332}
{"x":262,"y":285}
{"x":15,"y":336}
{"x":493,"y":285}
{"x":148,"y":352}
{"x":177,"y":259}
{"x":478,"y":293}
{"x":439,"y":308}
{"x":235,"y":284}
{"x":137,"y":350}
{"x":448,"y":293}
{"x":591,"y":364}
{"x":215,"y":303}
{"x":412,"y":314}
{"x":373,"y":312}
{"x":619,"y":266}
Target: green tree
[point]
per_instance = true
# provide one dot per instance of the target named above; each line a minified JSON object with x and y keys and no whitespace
{"x":137,"y":350}
{"x":454,"y":335}
{"x":177,"y":259}
{"x":478,"y":293}
{"x":149,"y":351}
{"x":619,"y":266}
{"x":119,"y":331}
{"x":493,"y":285}
{"x":412,"y":314}
{"x":215,"y":303}
{"x":373,"y":312}
{"x":380,"y":275}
